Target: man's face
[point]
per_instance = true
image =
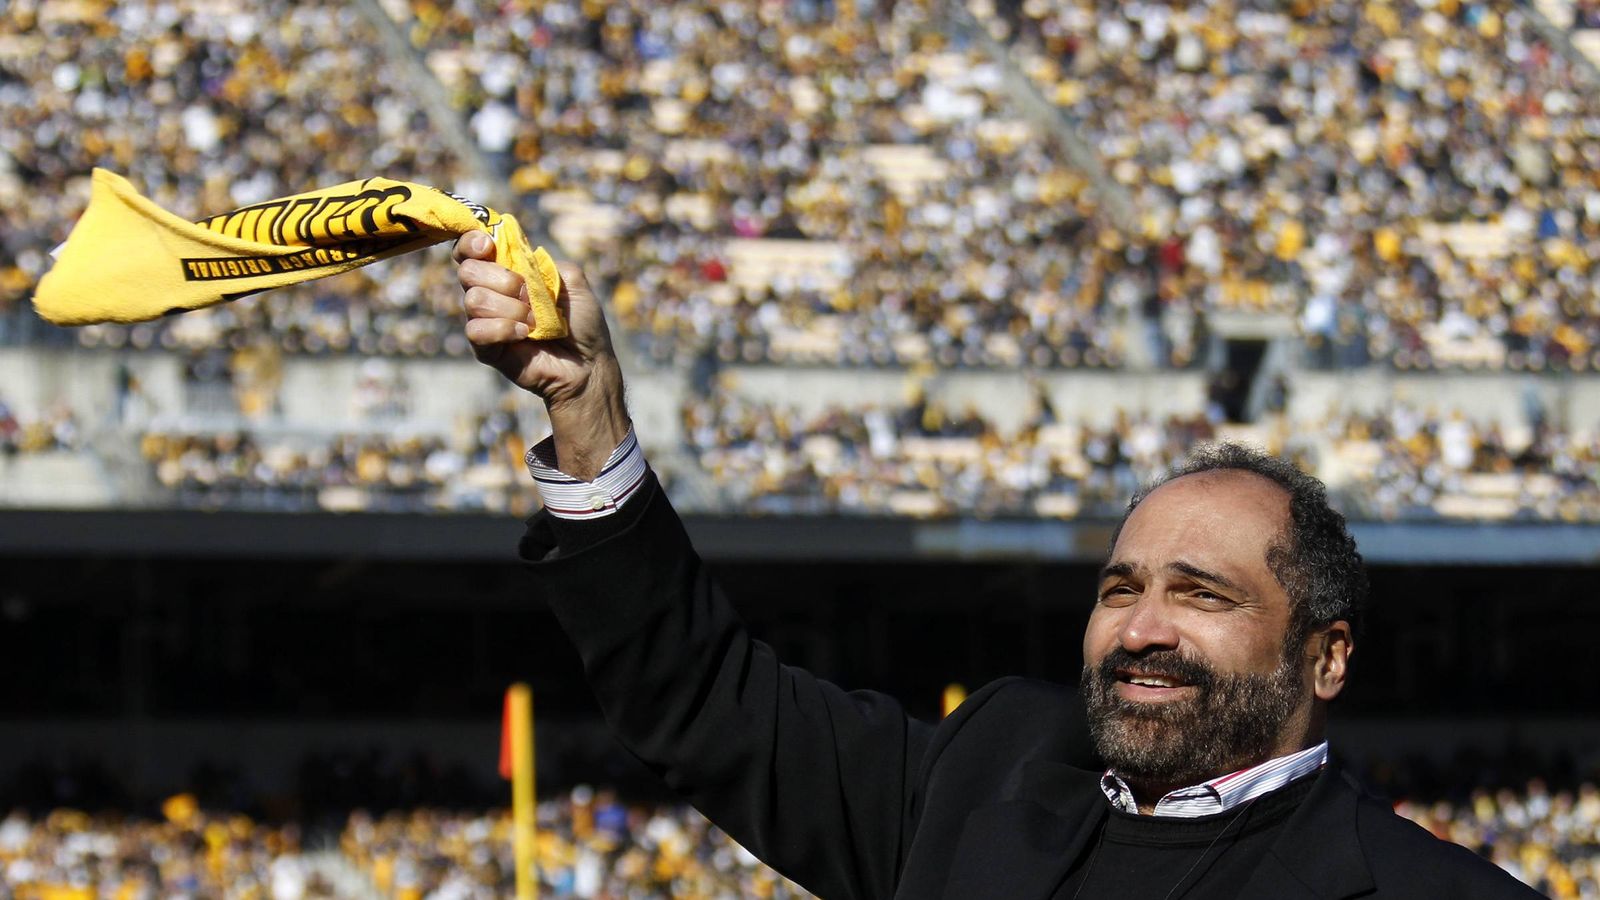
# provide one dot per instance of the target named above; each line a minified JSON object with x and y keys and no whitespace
{"x":1186,"y":673}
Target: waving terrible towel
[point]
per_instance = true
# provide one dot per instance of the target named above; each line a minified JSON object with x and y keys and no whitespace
{"x":129,"y":260}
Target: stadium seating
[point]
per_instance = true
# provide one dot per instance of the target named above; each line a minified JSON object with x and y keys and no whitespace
{"x":1444,"y":145}
{"x":243,"y":102}
{"x":837,"y":214}
{"x":592,"y":844}
{"x":70,"y":855}
{"x":849,"y":194}
{"x":922,"y":460}
{"x":338,"y":473}
{"x":1548,"y":839}
{"x":964,"y":239}
{"x":421,"y":436}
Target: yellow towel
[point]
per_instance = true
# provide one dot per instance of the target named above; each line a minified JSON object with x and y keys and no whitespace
{"x":129,"y":260}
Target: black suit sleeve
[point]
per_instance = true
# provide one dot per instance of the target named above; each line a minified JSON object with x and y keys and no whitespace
{"x":814,"y":780}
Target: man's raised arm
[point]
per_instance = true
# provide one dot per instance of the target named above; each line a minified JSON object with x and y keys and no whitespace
{"x":816,"y":781}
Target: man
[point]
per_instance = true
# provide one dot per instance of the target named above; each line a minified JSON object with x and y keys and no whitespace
{"x":1192,"y":766}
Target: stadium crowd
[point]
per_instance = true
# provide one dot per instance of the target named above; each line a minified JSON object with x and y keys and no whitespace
{"x":589,"y":844}
{"x":1548,"y":839}
{"x":1419,"y":174}
{"x":592,"y":844}
{"x":945,"y":263}
{"x":477,"y":467}
{"x":1404,"y":462}
{"x":844,"y":182}
{"x":189,"y":852}
{"x":207,"y":107}
{"x":683,"y":151}
{"x":923,"y":459}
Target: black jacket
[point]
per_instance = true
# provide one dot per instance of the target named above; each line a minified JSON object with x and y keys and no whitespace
{"x":848,"y":796}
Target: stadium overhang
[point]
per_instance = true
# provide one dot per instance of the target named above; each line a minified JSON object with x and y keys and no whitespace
{"x":466,"y":537}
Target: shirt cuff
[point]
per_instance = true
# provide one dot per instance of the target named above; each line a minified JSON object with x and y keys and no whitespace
{"x":566,"y":497}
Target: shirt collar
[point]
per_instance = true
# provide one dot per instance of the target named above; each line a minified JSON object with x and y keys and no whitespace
{"x":1222,"y":793}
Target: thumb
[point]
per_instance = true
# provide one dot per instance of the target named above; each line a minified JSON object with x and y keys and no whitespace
{"x":578,"y":304}
{"x":573,"y":279}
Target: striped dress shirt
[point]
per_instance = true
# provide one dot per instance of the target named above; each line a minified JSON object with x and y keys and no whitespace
{"x":1224,"y":793}
{"x":568,"y":498}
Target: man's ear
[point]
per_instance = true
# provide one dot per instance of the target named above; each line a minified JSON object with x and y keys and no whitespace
{"x":1330,"y":648}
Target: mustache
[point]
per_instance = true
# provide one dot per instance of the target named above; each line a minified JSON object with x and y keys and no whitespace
{"x":1164,"y":663}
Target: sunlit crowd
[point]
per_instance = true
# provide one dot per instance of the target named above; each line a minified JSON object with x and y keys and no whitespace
{"x":592,"y":844}
{"x":667,"y":142}
{"x":1549,"y":839}
{"x":589,"y":844}
{"x":923,"y":459}
{"x":1405,"y":462}
{"x":187,"y":852}
{"x":1416,"y":180}
{"x":207,"y":107}
{"x":475,"y":467}
{"x":854,"y":183}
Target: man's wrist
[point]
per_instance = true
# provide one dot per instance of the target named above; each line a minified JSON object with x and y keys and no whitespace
{"x":588,"y":426}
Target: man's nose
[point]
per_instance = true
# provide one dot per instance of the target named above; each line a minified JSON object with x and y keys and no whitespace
{"x":1149,"y":625}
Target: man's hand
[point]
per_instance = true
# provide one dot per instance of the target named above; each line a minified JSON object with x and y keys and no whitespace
{"x":577,"y":376}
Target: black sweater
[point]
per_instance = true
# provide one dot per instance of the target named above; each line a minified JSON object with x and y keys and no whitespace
{"x":1137,"y":857}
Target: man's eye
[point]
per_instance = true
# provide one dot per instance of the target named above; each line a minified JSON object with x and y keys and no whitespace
{"x":1119,"y":594}
{"x":1210,"y":598}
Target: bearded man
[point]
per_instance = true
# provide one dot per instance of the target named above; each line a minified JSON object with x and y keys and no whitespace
{"x":1192,"y":765}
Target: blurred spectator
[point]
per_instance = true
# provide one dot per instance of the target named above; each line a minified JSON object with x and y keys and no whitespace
{"x":382,"y":391}
{"x":58,"y":429}
{"x":1585,"y":14}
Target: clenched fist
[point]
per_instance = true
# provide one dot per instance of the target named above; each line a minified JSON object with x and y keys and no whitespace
{"x":577,"y":376}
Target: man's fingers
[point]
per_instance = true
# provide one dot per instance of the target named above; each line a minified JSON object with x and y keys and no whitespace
{"x":480,"y":273}
{"x":473,"y":245}
{"x":490,"y":332}
{"x":483,"y":303}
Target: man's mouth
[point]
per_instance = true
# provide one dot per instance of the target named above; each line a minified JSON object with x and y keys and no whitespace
{"x":1144,"y":686}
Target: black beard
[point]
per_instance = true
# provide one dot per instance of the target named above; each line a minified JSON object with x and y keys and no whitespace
{"x":1231,"y":722}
